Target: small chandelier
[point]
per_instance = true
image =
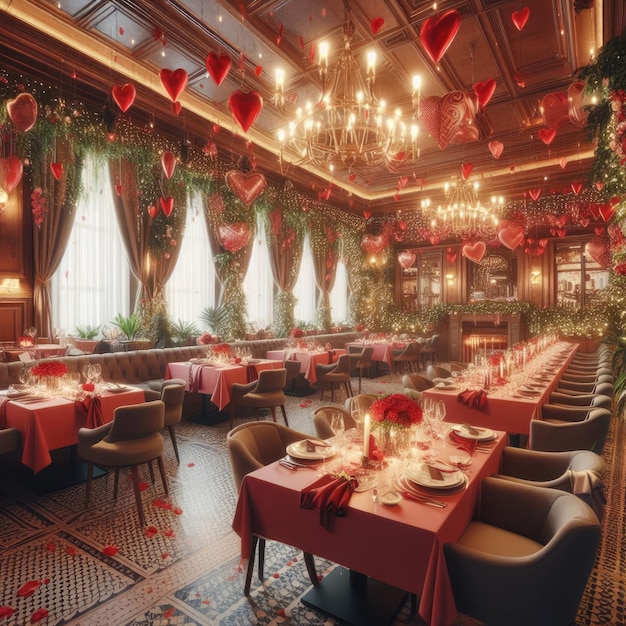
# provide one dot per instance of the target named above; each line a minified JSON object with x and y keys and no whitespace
{"x":463,"y":214}
{"x":349,"y":125}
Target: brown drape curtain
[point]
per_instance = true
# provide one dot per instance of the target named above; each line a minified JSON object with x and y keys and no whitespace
{"x":50,"y":239}
{"x":285,"y":247}
{"x":324,"y":251}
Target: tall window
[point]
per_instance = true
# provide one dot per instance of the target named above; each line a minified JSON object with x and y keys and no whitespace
{"x":191,"y":287}
{"x":259,"y":284}
{"x":339,"y":295}
{"x":305,"y":289}
{"x":91,"y":284}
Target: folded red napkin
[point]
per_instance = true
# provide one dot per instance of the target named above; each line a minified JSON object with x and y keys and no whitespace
{"x":91,"y":409}
{"x":466,"y":444}
{"x":329,"y":495}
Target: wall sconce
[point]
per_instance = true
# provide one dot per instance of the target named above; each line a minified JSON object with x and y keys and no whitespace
{"x":450,"y":280}
{"x":535,"y":277}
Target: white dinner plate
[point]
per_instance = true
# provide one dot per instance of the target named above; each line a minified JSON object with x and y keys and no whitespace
{"x":419,"y":474}
{"x":484,"y":434}
{"x":446,"y":387}
{"x":527,"y":391}
{"x":299,"y":450}
{"x":116,"y":388}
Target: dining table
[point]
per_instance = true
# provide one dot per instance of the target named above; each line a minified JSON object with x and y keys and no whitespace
{"x":382,"y":350}
{"x":215,"y":378}
{"x":308,"y":359}
{"x":37,"y":351}
{"x":513,"y":405}
{"x":399,"y":546}
{"x":47,"y":424}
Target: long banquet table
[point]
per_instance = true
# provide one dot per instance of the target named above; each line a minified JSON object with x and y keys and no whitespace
{"x":505,"y":409}
{"x":401,"y":545}
{"x":49,"y":424}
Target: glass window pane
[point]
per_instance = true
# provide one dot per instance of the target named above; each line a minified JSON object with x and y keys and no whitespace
{"x":339,"y":295}
{"x":259,"y":283}
{"x":305,"y":289}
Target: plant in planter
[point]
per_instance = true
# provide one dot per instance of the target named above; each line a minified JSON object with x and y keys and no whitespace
{"x":87,"y":332}
{"x":130,"y":326}
{"x":183,"y":331}
{"x":214,"y":317}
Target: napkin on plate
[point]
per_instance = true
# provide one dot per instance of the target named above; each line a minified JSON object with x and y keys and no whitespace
{"x":329,"y":495}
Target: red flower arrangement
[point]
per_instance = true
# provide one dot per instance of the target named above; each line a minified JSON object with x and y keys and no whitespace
{"x":297,"y":333}
{"x":360,"y":328}
{"x":395,"y":410}
{"x":50,"y":368}
{"x":205,"y":339}
{"x":221,"y":348}
{"x":25,"y":342}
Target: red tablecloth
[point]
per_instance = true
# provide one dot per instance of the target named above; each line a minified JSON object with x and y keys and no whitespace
{"x":54,"y":423}
{"x":308,"y":360}
{"x":401,"y":545}
{"x":382,"y":350}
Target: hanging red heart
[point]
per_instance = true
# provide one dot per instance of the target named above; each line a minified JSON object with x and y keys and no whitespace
{"x":511,"y":236}
{"x":124,"y":95}
{"x":258,"y":70}
{"x":547,"y":135}
{"x":595,"y":210}
{"x":218,"y":66}
{"x":23,"y":111}
{"x":406,"y":259}
{"x":168,"y":162}
{"x":496,"y":148}
{"x":245,"y":107}
{"x":563,"y":162}
{"x":174,"y":82}
{"x":373,"y":244}
{"x":555,"y":109}
{"x":118,"y":190}
{"x":606,"y":212}
{"x":599,"y":185}
{"x":561,"y":232}
{"x":534,"y":193}
{"x":584,"y":221}
{"x":233,"y":237}
{"x":599,"y":230}
{"x":451,"y":255}
{"x":367,"y":214}
{"x":152,"y":211}
{"x":598,"y":250}
{"x":248,"y":187}
{"x":57,"y":170}
{"x":451,"y":118}
{"x":484,"y":91}
{"x":535,"y":247}
{"x":561,"y":220}
{"x":167,"y":205}
{"x":577,"y":187}
{"x":402,"y":225}
{"x":474,"y":251}
{"x":520,"y":18}
{"x":176,"y":107}
{"x":376,"y":24}
{"x":466,"y":170}
{"x":438,"y":32}
{"x":11,"y":170}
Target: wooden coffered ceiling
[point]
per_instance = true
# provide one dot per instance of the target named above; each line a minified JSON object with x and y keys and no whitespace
{"x":108,"y":43}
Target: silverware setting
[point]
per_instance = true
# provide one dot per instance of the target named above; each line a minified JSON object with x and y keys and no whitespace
{"x":423,"y":499}
{"x":288,"y":463}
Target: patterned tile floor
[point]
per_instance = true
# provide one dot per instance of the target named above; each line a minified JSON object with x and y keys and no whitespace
{"x":65,"y":565}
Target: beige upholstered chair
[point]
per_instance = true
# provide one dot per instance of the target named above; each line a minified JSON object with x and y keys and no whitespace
{"x":322,"y":419}
{"x":362,"y":361}
{"x":173,"y":396}
{"x":131,"y":439}
{"x":588,"y":434}
{"x":434,"y":371}
{"x":250,"y":447}
{"x":335,"y":374}
{"x":429,"y":351}
{"x":587,"y":399}
{"x":364,"y":401}
{"x":264,"y":393}
{"x":600,"y":385}
{"x":526,"y":557}
{"x":409,"y":356}
{"x":293,"y":370}
{"x":417,"y":382}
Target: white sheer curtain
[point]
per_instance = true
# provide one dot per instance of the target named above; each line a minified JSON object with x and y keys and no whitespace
{"x":305,"y":289}
{"x":339,"y":294}
{"x":91,"y":284}
{"x":191,"y":286}
{"x":258,"y":284}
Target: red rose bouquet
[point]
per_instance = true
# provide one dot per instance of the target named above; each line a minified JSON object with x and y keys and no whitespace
{"x":221,"y":348}
{"x":296,"y":333}
{"x":395,"y":410}
{"x":205,"y":339}
{"x":50,"y":368}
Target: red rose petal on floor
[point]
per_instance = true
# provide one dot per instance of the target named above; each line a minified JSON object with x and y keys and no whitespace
{"x":281,"y":612}
{"x":6,"y":611}
{"x":151,"y":531}
{"x":177,"y":511}
{"x":158,"y":503}
{"x":51,"y":547}
{"x":169,"y":533}
{"x":197,"y":595}
{"x":71,"y":551}
{"x":38,"y":615}
{"x":46,"y":581}
{"x":319,"y":578}
{"x":303,"y":405}
{"x":289,"y":563}
{"x":167,"y":506}
{"x":148,"y":590}
{"x":29,"y":588}
{"x":165,"y":555}
{"x":169,"y":613}
{"x":143,"y":485}
{"x":190,"y":464}
{"x":206,"y":601}
{"x":295,"y":559}
{"x":276,"y":575}
{"x":110,"y":550}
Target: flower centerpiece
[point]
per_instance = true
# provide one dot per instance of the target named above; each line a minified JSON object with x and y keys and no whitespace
{"x":220,"y":351}
{"x":393,"y":412}
{"x":205,"y":339}
{"x":49,"y":373}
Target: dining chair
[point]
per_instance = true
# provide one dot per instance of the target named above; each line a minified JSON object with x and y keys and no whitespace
{"x":434,"y":371}
{"x":410,"y":357}
{"x":583,"y":399}
{"x":417,"y":382}
{"x":601,"y":385}
{"x":588,"y":434}
{"x":264,"y":393}
{"x":130,"y":440}
{"x":429,"y":351}
{"x":362,"y":361}
{"x":173,"y":395}
{"x":335,"y":374}
{"x":293,"y":371}
{"x":322,"y":417}
{"x":525,"y":558}
{"x":251,"y":446}
{"x":10,"y":440}
{"x":364,"y":400}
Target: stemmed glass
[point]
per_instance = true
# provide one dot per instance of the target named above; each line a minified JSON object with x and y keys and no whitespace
{"x":337,"y":425}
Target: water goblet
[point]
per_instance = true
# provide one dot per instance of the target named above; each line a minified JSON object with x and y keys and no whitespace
{"x":337,"y":425}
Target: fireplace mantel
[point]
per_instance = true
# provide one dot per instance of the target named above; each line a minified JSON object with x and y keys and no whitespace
{"x":484,"y":326}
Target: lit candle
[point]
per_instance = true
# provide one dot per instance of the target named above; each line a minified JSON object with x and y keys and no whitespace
{"x":501,"y":368}
{"x":524,"y":355}
{"x":366,"y":436}
{"x":323,"y":51}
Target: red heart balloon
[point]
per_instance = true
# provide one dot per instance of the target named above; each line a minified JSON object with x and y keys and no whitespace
{"x":248,"y":187}
{"x":575,"y":94}
{"x":474,"y":251}
{"x":577,"y":187}
{"x":555,"y":109}
{"x":167,"y":205}
{"x":496,"y":148}
{"x":218,"y":66}
{"x":466,"y":170}
{"x":174,"y":82}
{"x":233,"y":237}
{"x":561,"y":232}
{"x":452,"y":118}
{"x":176,"y":107}
{"x":245,"y":107}
{"x":406,"y":259}
{"x":598,"y":250}
{"x":376,"y":24}
{"x":534,"y":193}
{"x":124,"y":95}
{"x":484,"y":91}
{"x":373,"y":244}
{"x":23,"y":111}
{"x":584,"y":221}
{"x":451,"y":255}
{"x":438,"y":33}
{"x":367,"y":214}
{"x":168,"y":162}
{"x":535,"y":247}
{"x":561,"y":220}
{"x":606,"y":212}
{"x":595,"y":210}
{"x":11,"y":170}
{"x":511,"y":236}
{"x":57,"y":170}
{"x":599,"y":230}
{"x":563,"y":162}
{"x":547,"y":135}
{"x":520,"y":18}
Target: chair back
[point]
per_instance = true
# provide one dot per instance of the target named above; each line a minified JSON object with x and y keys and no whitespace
{"x":173,"y":396}
{"x":343,"y":365}
{"x":135,"y":421}
{"x":362,"y":400}
{"x":293,"y":369}
{"x":255,"y":444}
{"x":417,"y":382}
{"x":586,"y":399}
{"x":322,"y":420}
{"x":271,"y":380}
{"x":10,"y":440}
{"x":434,"y":371}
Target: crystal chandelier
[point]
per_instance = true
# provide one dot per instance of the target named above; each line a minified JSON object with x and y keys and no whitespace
{"x":463,"y":214}
{"x":349,"y":125}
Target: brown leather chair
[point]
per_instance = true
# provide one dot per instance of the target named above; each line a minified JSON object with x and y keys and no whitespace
{"x":130,"y":440}
{"x":10,"y":440}
{"x":264,"y":393}
{"x":322,"y":418}
{"x":434,"y":371}
{"x":587,"y":399}
{"x":362,"y":361}
{"x":409,"y":356}
{"x":525,"y":558}
{"x":417,"y":382}
{"x":250,"y":447}
{"x":173,"y":396}
{"x":335,"y":374}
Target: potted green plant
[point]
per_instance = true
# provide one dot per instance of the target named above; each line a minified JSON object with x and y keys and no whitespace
{"x":130,"y":326}
{"x":87,"y":332}
{"x":183,"y":331}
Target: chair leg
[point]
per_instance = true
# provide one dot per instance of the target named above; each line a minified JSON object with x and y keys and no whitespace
{"x":88,"y":487}
{"x":310,"y":568}
{"x":151,"y":468}
{"x":322,"y":392}
{"x":232,"y":414}
{"x":261,"y":567}
{"x":332,"y":392}
{"x":174,"y":444}
{"x":163,"y":476}
{"x":273,"y":410}
{"x":282,"y":408}
{"x":246,"y":587}
{"x":135,"y":475}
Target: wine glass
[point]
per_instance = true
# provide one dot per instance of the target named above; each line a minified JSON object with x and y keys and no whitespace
{"x":337,"y":425}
